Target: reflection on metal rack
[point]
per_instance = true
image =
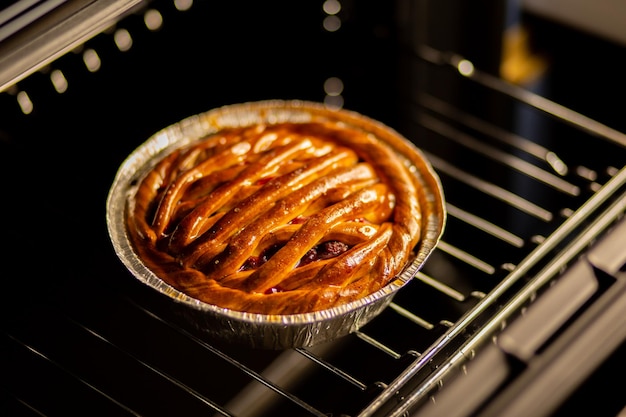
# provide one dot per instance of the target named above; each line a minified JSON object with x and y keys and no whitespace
{"x":49,"y":29}
{"x":568,"y":231}
{"x":525,"y":217}
{"x":417,"y":371}
{"x":566,"y":115}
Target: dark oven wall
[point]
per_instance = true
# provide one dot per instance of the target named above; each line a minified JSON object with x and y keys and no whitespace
{"x":81,"y":334}
{"x":59,"y":152}
{"x":59,"y":160}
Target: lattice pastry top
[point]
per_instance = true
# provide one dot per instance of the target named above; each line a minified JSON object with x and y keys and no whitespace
{"x":278,"y":218}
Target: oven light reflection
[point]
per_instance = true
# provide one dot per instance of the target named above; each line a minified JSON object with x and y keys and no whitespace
{"x":586,"y":173}
{"x":123,"y":40}
{"x":465,"y":67}
{"x":332,"y":23}
{"x":333,"y":102}
{"x":24,"y":101}
{"x":331,"y":7}
{"x":556,"y":163}
{"x":153,"y":19}
{"x":58,"y":81}
{"x":183,"y":5}
{"x":91,"y":60}
{"x":333,"y":87}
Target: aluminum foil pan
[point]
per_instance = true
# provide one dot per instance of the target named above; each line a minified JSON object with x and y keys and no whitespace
{"x":264,"y":330}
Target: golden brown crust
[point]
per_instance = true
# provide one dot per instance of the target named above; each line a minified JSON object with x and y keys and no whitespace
{"x":278,"y":219}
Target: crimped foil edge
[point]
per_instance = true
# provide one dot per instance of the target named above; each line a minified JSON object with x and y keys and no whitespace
{"x":253,"y":329}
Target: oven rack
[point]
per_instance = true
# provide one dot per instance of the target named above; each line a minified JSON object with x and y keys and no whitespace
{"x":121,"y":353}
{"x":36,"y":33}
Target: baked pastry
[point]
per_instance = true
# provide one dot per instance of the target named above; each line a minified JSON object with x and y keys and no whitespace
{"x":280,"y":218}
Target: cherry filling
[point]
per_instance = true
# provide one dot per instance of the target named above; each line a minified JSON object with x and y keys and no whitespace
{"x":298,"y":220}
{"x":325,"y":250}
{"x":254,"y":262}
{"x":264,"y":180}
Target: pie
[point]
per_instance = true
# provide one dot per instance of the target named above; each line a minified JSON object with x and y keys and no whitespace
{"x":281,"y":215}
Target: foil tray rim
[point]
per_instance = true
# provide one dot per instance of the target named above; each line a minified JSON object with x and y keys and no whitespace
{"x":194,"y":127}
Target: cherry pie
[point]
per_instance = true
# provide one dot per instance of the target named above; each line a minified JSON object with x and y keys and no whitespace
{"x":281,"y":217}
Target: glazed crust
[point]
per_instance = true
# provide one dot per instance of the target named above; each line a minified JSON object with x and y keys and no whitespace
{"x":281,"y":218}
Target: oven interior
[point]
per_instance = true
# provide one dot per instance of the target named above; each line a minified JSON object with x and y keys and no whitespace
{"x":518,"y":311}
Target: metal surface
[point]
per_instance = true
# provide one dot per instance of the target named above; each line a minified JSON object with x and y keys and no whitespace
{"x":532,"y":199}
{"x":35,"y":36}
